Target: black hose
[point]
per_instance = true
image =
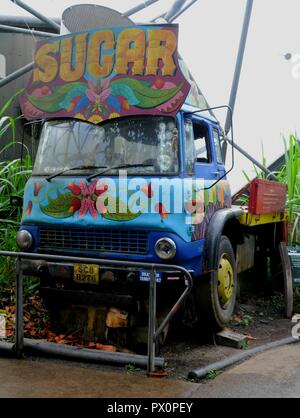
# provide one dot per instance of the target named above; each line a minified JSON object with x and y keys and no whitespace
{"x":36,"y":347}
{"x":202,"y":372}
{"x":87,"y":355}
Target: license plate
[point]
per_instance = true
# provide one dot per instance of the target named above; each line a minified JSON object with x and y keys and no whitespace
{"x":145,"y":276}
{"x":86,"y":273}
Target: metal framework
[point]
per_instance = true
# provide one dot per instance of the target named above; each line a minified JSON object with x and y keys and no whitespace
{"x":153,"y":333}
{"x":175,"y":11}
{"x":6,"y":28}
{"x":37,"y":14}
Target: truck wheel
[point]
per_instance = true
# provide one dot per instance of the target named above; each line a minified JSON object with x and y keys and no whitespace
{"x":218,"y":292}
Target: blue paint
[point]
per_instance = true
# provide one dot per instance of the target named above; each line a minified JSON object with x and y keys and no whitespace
{"x":189,"y":239}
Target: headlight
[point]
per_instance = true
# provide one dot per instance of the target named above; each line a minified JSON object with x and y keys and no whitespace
{"x":165,"y":248}
{"x":24,"y":239}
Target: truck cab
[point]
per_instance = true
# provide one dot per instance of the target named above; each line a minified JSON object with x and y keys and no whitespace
{"x":129,"y":168}
{"x":152,"y":162}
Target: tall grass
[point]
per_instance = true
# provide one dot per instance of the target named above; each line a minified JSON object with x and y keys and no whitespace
{"x":290,"y":174}
{"x":13,"y":177}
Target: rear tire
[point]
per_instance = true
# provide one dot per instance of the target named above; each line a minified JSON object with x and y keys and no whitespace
{"x":216,"y":293}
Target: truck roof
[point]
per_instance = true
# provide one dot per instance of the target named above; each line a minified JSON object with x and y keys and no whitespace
{"x":205,"y":114}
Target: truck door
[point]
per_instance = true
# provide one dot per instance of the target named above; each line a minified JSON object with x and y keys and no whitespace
{"x":220,"y":168}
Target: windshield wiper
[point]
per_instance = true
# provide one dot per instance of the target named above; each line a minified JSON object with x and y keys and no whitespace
{"x":115,"y":167}
{"x":78,"y":167}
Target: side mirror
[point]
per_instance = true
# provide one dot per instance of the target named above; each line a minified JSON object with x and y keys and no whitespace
{"x":16,"y":201}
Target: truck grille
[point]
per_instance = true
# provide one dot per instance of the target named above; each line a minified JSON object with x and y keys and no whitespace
{"x":100,"y":240}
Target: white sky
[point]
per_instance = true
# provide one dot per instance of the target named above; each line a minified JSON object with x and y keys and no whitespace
{"x":268,"y":99}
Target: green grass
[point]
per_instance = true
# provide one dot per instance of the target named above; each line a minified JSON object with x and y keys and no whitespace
{"x":13,"y":177}
{"x":211,"y":375}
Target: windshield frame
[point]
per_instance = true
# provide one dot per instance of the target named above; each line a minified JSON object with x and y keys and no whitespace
{"x":115,"y":172}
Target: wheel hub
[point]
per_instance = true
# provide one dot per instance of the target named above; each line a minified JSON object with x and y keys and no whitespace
{"x":225,"y":280}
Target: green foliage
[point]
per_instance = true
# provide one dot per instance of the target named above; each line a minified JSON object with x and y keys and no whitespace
{"x":13,"y":177}
{"x":131,"y":368}
{"x":245,"y":345}
{"x":246,"y":321}
{"x":290,"y":175}
{"x":211,"y":375}
{"x":7,"y":243}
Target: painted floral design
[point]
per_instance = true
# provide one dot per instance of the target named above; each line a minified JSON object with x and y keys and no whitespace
{"x":85,"y":198}
{"x":96,"y":101}
{"x":217,"y":198}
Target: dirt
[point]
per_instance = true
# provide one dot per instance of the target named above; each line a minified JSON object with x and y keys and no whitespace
{"x":260,"y":319}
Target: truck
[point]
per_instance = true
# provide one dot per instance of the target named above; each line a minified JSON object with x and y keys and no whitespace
{"x":129,"y":171}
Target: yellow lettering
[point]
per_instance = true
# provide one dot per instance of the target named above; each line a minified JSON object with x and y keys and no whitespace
{"x":131,"y":49}
{"x":162,"y":45}
{"x":99,"y":64}
{"x":68,"y":72}
{"x":47,"y":64}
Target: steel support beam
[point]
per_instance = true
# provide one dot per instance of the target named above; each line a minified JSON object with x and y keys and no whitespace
{"x":5,"y":28}
{"x":37,"y":14}
{"x":19,"y":310}
{"x":139,"y":7}
{"x":179,"y":13}
{"x":13,"y":76}
{"x":252,"y":159}
{"x":239,"y":62}
{"x":177,"y":5}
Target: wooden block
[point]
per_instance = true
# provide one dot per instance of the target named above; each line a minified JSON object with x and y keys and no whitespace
{"x":230,"y":339}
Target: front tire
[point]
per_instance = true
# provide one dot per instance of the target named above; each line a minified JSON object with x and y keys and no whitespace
{"x":216,"y":294}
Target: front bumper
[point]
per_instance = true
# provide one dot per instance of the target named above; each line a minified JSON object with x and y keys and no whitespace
{"x":189,"y":255}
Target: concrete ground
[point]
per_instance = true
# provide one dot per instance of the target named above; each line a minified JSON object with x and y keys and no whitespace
{"x":275,"y":373}
{"x":272,"y":374}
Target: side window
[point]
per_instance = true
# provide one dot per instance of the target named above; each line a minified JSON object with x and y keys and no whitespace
{"x":217,"y":146}
{"x":201,"y":143}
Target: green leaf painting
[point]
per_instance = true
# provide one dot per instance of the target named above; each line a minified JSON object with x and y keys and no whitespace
{"x":58,"y":207}
{"x":147,"y":97}
{"x":57,"y":100}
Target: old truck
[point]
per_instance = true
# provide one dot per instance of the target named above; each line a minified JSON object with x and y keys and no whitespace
{"x":129,"y":172}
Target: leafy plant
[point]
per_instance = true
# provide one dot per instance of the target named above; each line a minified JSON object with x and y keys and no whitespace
{"x":243,"y":321}
{"x":212,"y":374}
{"x":290,"y":175}
{"x":13,"y":177}
{"x":130,"y":368}
{"x":245,"y":345}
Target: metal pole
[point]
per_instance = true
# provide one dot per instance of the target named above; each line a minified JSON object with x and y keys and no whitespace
{"x":152,"y":320}
{"x":252,"y":159}
{"x":6,"y":28}
{"x":35,"y":13}
{"x":16,"y":74}
{"x":25,"y":21}
{"x":139,"y":7}
{"x":177,"y":5}
{"x":19,"y":343}
{"x":239,"y":62}
{"x":182,"y":11}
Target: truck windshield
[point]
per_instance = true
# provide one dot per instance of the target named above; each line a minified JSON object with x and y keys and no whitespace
{"x":149,"y":141}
